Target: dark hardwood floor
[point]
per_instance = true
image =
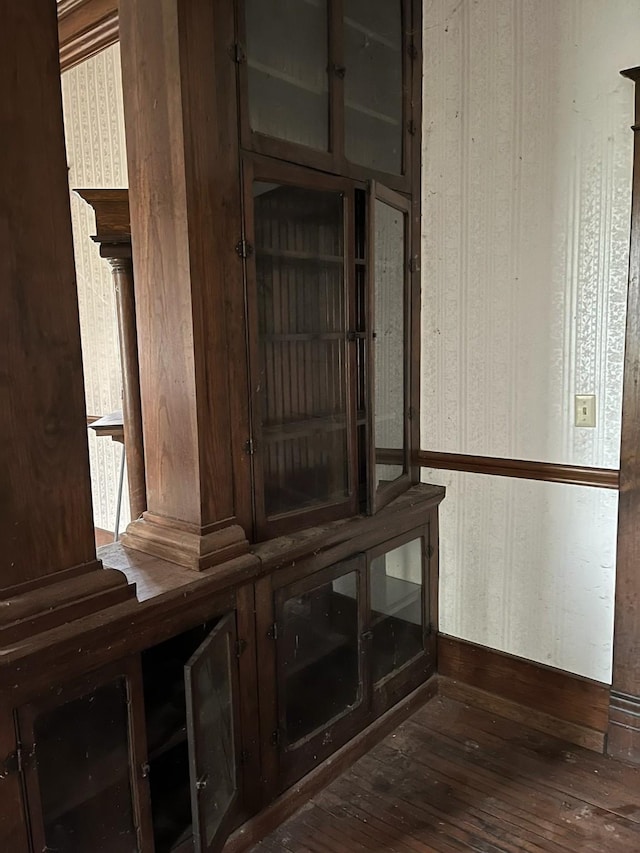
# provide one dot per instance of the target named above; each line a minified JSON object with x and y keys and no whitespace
{"x":453,"y":778}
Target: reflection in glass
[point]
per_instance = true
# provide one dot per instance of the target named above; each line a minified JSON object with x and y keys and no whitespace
{"x":395,"y":582}
{"x":287,"y":70}
{"x":83,"y":766}
{"x":373,"y":83}
{"x":299,"y":251}
{"x":318,"y":655}
{"x":210,"y":706}
{"x":389,"y":342}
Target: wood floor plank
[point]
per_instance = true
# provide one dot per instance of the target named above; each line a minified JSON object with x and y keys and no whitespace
{"x":454,"y":779}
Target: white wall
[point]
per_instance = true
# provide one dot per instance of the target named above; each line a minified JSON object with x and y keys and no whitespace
{"x":527,"y":170}
{"x":96,"y":155}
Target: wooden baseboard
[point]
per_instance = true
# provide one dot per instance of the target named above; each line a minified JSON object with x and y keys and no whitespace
{"x":547,"y":699}
{"x":255,"y":829}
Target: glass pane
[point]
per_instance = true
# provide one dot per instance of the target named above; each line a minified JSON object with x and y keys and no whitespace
{"x":287,"y":70}
{"x":318,"y":655}
{"x":212,"y":745}
{"x":299,"y":247}
{"x":373,"y":83}
{"x":395,"y":581}
{"x":389,"y":341}
{"x":83,"y":767}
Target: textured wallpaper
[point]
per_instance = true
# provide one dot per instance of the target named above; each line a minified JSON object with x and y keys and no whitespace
{"x":96,"y":155}
{"x":527,"y":177}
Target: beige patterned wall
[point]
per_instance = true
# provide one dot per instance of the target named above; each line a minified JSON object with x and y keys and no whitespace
{"x":94,"y":127}
{"x":527,"y":169}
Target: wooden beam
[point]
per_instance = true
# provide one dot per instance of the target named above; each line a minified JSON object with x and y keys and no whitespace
{"x":624,"y":728}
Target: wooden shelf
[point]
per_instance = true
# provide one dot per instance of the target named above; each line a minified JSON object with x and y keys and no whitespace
{"x":371,"y":34}
{"x":304,"y":337}
{"x":307,"y":426}
{"x":175,"y":739}
{"x":295,"y":255}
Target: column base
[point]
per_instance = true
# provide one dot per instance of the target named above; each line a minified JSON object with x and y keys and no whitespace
{"x":185,"y":544}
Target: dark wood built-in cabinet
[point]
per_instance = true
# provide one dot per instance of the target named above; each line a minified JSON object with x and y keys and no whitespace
{"x":285,"y":555}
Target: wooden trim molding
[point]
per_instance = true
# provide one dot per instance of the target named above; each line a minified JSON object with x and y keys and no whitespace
{"x":550,"y":700}
{"x":623,"y":740}
{"x":550,"y":472}
{"x":85,"y":27}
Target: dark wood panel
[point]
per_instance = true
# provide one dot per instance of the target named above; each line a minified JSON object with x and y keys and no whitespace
{"x":550,"y":472}
{"x":46,"y":522}
{"x":559,"y":694}
{"x":85,"y":27}
{"x":452,"y":779}
{"x":624,"y":732}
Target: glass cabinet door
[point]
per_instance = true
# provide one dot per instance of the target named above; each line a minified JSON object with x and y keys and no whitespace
{"x":373,"y":84}
{"x":287,"y":70}
{"x":319,"y":659}
{"x":389,"y":251}
{"x":210,"y":680}
{"x":398,"y":607}
{"x":83,"y":784}
{"x":303,"y":418}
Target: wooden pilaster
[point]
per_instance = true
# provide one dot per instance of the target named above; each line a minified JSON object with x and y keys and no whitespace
{"x":179,"y":82}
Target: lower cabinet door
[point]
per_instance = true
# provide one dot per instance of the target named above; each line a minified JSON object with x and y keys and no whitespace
{"x":213,"y":735}
{"x":85,"y":765}
{"x":401,"y":641}
{"x":321,"y":689}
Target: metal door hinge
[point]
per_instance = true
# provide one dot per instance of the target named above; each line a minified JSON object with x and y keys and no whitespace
{"x":244,"y":249}
{"x":411,"y":413}
{"x":430,"y":551}
{"x":249,"y":447}
{"x":272,"y":633}
{"x":411,"y":127}
{"x":275,"y":738}
{"x":238,"y":53}
{"x":412,"y":50}
{"x":244,"y":756}
{"x":414,"y":265}
{"x":16,"y":762}
{"x":241,"y":646}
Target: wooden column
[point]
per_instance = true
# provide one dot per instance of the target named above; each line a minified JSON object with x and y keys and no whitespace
{"x":111,"y":208}
{"x":46,"y":523}
{"x":623,"y":740}
{"x":179,"y":81}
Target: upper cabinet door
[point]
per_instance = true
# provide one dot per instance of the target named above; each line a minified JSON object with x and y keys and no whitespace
{"x":389,"y":325}
{"x":326,"y":83}
{"x":213,"y":728}
{"x":286,"y":71}
{"x":374,"y":94}
{"x":301,"y":360}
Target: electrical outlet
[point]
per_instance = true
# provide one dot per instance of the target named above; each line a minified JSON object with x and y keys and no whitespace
{"x":585,"y":410}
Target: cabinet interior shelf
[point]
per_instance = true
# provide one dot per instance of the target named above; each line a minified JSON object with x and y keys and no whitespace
{"x":307,"y":426}
{"x":303,"y":337}
{"x":295,"y":255}
{"x":177,"y":737}
{"x":318,"y":91}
